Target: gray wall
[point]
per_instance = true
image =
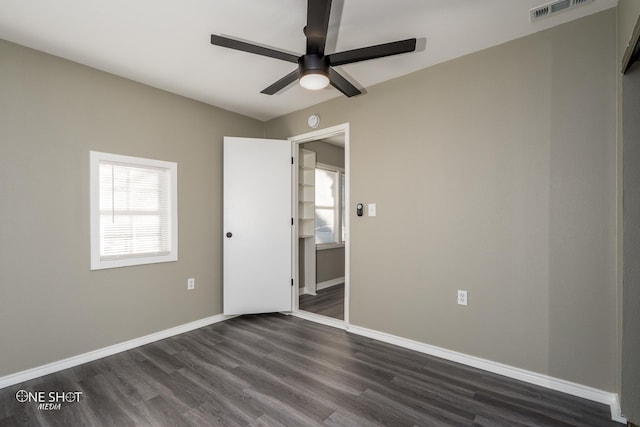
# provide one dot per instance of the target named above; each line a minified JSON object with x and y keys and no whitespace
{"x":329,"y":262}
{"x":326,"y":153}
{"x":628,"y":13}
{"x":52,"y":113}
{"x":630,"y":396}
{"x":508,"y":158}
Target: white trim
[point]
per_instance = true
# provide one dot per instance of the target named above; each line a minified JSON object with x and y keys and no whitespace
{"x":327,"y":246}
{"x":616,"y":411}
{"x":347,"y":221}
{"x":97,"y":263}
{"x":329,"y":167}
{"x":530,"y":377}
{"x":318,"y":318}
{"x":322,"y":134}
{"x":337,"y":207}
{"x":70,"y":362}
{"x":343,"y":129}
{"x":329,"y":283}
{"x":307,"y":291}
{"x":295,"y":249}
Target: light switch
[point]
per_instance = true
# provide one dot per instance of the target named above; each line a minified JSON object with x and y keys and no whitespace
{"x":372,"y":209}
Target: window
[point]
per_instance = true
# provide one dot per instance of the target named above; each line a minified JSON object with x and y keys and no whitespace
{"x":133,"y":211}
{"x":329,"y":201}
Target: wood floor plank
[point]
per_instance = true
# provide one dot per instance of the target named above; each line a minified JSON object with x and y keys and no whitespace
{"x":129,"y":380}
{"x":161,"y":359}
{"x":266,"y":421}
{"x":564,"y":401}
{"x":230,"y":404}
{"x":99,"y":390}
{"x":225,"y":380}
{"x":405,"y":414}
{"x":276,"y":370}
{"x":346,"y":418}
{"x":280,"y":411}
{"x":317,"y":375}
{"x":481,"y":421}
{"x":439,"y":395}
{"x":212,"y":354}
{"x":448,"y":411}
{"x":271,"y":384}
{"x":163,"y":412}
{"x":328,"y":302}
{"x":209,"y":415}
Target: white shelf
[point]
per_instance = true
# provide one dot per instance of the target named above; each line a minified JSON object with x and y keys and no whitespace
{"x":306,"y":210}
{"x":306,"y":214}
{"x":306,"y":193}
{"x":307,"y":177}
{"x":307,"y":159}
{"x":305,"y":228}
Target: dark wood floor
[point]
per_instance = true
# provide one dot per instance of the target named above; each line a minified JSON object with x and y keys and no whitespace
{"x":329,"y":302}
{"x":276,"y":370}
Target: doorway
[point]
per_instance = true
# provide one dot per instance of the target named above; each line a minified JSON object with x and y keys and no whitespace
{"x":321,"y":242}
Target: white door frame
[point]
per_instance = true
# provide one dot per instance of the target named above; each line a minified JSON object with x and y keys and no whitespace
{"x":316,"y":135}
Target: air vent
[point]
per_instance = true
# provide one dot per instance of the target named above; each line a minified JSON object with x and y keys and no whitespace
{"x":554,"y":7}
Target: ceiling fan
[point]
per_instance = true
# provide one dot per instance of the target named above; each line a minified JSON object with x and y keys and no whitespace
{"x":314,"y":67}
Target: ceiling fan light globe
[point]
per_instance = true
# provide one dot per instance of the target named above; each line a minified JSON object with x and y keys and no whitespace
{"x":314,"y":81}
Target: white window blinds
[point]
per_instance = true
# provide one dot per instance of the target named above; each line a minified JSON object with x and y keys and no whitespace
{"x":133,"y":208}
{"x":134,"y":211}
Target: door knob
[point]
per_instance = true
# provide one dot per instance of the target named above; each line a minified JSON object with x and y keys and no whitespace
{"x":229,"y":234}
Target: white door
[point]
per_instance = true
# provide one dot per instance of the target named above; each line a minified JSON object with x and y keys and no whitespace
{"x":257,"y":226}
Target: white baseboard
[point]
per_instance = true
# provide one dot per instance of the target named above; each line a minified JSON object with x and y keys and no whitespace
{"x":49,"y":368}
{"x":328,"y":321}
{"x":307,"y":291}
{"x":329,"y":283}
{"x":552,"y":383}
{"x":616,"y":411}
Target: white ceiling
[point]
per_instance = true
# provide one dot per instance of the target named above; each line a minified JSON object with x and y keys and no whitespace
{"x":165,"y":43}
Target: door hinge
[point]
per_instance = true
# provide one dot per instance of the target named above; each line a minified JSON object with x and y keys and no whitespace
{"x":291,"y":159}
{"x":291,"y":221}
{"x":291,"y":282}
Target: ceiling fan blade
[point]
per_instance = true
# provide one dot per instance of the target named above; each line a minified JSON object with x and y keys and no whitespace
{"x":342,"y":84}
{"x":372,"y":52}
{"x":282,"y":83}
{"x":318,"y":12}
{"x":252,"y":48}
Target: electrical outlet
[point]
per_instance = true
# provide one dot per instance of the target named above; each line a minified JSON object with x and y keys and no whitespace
{"x":462,"y":298}
{"x":191,"y":283}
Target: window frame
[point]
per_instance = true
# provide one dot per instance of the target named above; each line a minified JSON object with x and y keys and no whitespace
{"x":338,"y":210}
{"x":96,"y":158}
